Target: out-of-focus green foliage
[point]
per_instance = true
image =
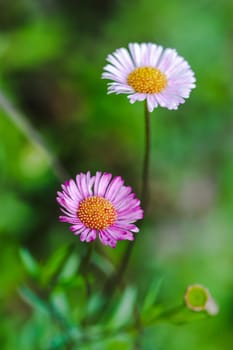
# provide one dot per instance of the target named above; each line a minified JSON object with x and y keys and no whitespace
{"x":51,"y":59}
{"x":84,"y":318}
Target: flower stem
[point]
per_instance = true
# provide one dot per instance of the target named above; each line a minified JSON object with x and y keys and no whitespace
{"x":146,"y":161}
{"x":87,"y":258}
{"x":145,"y":183}
{"x":113,"y":282}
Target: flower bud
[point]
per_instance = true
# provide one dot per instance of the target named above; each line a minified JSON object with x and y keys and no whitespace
{"x":198,"y":298}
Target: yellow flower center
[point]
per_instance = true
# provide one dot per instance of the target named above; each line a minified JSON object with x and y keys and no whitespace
{"x":97,"y":213}
{"x":147,"y":80}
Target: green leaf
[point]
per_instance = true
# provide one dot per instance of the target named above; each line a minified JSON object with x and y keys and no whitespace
{"x":152,"y":314}
{"x":124,"y":309}
{"x":70,"y":268}
{"x":29,"y":262}
{"x":103,"y":263}
{"x":95,"y":302}
{"x":59,"y":342}
{"x":32,"y":299}
{"x":123,"y":342}
{"x":55,"y":264}
{"x":185,"y":315}
{"x":177,"y":315}
{"x":60,"y":302}
{"x":34,"y":332}
{"x":152,"y":294}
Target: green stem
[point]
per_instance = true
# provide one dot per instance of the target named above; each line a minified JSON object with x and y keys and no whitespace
{"x":166,"y":315}
{"x":84,"y":266}
{"x":87,"y":258}
{"x":146,"y":161}
{"x":116,"y":279}
{"x":32,"y":135}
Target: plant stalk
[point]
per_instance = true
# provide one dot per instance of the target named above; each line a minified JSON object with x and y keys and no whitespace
{"x":117,"y":278}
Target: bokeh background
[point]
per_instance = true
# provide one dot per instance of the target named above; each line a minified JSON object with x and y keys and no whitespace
{"x":51,"y":57}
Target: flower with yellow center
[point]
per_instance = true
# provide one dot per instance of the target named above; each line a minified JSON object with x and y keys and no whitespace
{"x":100,"y":206}
{"x":148,"y":72}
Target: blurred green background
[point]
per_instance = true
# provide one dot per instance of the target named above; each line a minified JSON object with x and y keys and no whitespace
{"x":51,"y":57}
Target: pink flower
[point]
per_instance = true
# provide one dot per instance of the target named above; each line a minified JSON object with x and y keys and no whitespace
{"x":100,"y":205}
{"x":149,"y":72}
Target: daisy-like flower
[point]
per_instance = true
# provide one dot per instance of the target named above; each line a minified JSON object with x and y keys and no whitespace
{"x":100,"y":206}
{"x":149,"y":72}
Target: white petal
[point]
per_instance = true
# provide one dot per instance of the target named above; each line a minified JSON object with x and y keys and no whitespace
{"x":136,"y":97}
{"x":151,"y":102}
{"x":135,"y":52}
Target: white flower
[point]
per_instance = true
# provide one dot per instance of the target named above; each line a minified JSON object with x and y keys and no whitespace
{"x":149,"y":72}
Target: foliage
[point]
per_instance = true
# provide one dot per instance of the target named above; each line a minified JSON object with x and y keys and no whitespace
{"x":84,"y":316}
